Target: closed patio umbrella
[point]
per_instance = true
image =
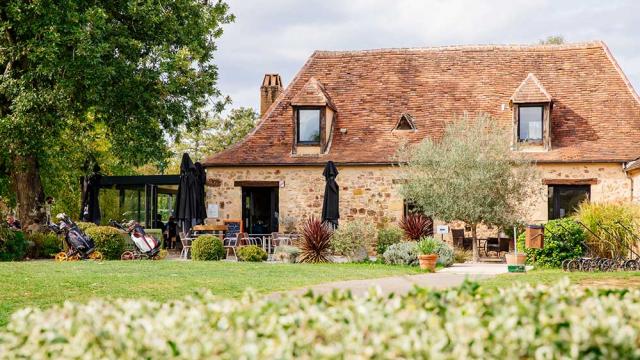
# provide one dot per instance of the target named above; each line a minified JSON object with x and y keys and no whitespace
{"x":201,"y":175}
{"x":188,"y":194}
{"x":330,"y":205}
{"x":91,"y":191}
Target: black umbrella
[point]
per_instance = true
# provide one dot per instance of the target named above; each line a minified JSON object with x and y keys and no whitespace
{"x":91,"y":192}
{"x":330,"y":205}
{"x":202,"y":179}
{"x":188,"y":194}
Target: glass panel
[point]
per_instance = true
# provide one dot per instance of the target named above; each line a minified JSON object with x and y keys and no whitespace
{"x":564,"y":200}
{"x":530,"y":123}
{"x":309,"y":125}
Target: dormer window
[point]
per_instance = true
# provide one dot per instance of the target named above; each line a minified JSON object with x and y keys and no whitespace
{"x":530,"y":120}
{"x":308,"y":126}
{"x":531,"y":104}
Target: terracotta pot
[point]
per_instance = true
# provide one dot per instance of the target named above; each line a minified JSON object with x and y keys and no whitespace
{"x":513,"y":259}
{"x":428,"y":262}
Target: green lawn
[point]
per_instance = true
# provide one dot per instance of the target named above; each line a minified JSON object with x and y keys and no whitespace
{"x":622,"y":279}
{"x":45,"y":283}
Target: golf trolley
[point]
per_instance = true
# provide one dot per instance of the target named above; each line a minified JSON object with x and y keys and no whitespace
{"x":80,"y":246}
{"x":146,"y":246}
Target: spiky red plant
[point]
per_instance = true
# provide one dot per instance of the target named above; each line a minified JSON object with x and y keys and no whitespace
{"x":416,"y":225}
{"x":316,"y":241}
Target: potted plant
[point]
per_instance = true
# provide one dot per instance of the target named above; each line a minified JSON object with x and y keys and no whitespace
{"x":427,"y":247}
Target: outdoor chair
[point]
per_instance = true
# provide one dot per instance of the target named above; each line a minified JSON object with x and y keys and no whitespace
{"x":230,"y":244}
{"x":186,"y":239}
{"x":458,"y":238}
{"x":492,"y":244}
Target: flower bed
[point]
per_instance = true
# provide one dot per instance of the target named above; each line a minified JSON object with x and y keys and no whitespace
{"x":468,"y":322}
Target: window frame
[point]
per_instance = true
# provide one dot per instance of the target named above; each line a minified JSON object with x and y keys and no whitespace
{"x":553,"y":205}
{"x":542,"y":107}
{"x":321,"y":111}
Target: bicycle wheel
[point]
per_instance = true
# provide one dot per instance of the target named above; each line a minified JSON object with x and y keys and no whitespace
{"x":565,"y":264}
{"x":630,"y":265}
{"x":573,"y":265}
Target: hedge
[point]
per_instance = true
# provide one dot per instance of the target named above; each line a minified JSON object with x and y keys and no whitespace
{"x":252,"y":253}
{"x":207,"y":247}
{"x":13,"y":245}
{"x":468,"y":322}
{"x":43,"y":245}
{"x":109,"y":241}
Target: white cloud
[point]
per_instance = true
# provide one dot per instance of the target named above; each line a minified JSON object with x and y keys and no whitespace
{"x":279,"y":35}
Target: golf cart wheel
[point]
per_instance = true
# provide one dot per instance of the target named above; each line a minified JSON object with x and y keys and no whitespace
{"x":61,"y":256}
{"x":96,"y":255}
{"x":127,"y":255}
{"x":573,"y":265}
{"x":631,"y":265}
{"x":75,"y":257}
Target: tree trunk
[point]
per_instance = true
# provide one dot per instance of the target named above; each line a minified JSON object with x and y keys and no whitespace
{"x":25,"y":181}
{"x":474,"y":235}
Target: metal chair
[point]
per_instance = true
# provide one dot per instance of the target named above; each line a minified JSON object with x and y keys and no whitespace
{"x":186,"y":239}
{"x":231,"y":244}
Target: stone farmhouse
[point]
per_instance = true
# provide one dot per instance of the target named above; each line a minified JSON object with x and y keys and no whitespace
{"x":570,"y":107}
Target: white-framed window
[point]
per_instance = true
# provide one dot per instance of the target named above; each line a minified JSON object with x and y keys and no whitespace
{"x":530,"y":119}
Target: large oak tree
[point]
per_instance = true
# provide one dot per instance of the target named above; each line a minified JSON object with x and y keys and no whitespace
{"x":134,"y":70}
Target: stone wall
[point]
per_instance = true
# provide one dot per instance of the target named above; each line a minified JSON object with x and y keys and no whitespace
{"x":372,"y":192}
{"x":365,"y":191}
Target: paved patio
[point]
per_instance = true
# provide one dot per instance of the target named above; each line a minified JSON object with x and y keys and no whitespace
{"x":451,"y":276}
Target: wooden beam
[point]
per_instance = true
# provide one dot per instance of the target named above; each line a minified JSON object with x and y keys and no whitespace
{"x":249,"y":183}
{"x":589,"y":181}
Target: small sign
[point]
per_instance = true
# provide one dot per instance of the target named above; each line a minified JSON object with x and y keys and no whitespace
{"x":442,"y":229}
{"x":213,"y":211}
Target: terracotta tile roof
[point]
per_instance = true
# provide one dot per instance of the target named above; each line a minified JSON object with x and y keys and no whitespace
{"x":312,"y":94}
{"x":530,"y":91}
{"x":595,"y":117}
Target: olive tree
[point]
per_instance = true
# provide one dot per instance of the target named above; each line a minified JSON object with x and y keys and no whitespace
{"x":470,"y":174}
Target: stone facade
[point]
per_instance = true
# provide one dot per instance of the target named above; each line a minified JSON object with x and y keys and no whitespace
{"x":370,"y":192}
{"x":373,"y":192}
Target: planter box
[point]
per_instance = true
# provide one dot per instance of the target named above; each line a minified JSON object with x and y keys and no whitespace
{"x":513,"y":259}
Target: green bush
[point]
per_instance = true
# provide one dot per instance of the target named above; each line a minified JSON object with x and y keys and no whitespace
{"x":614,"y":224}
{"x":445,"y":254}
{"x":207,"y":247}
{"x":563,"y":239}
{"x":352,"y":239}
{"x":109,"y":241}
{"x":402,"y":253}
{"x":43,"y":245}
{"x":387,"y":237}
{"x":468,"y":322}
{"x":13,"y":246}
{"x":85,"y":225}
{"x":428,"y":245}
{"x":252,"y":253}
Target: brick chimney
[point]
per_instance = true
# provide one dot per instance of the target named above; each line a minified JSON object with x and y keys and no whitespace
{"x":269,"y":91}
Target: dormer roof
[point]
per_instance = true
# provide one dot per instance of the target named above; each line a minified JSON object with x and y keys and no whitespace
{"x":530,"y":91}
{"x":312,"y":93}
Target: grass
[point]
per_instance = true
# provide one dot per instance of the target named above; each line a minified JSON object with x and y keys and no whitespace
{"x":621,"y":279}
{"x":46,"y":283}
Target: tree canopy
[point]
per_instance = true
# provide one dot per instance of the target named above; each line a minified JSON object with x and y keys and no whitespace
{"x":469,"y":175}
{"x":112,"y":73}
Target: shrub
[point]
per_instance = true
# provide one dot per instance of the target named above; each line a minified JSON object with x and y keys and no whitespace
{"x":289,"y":224}
{"x":468,"y":322}
{"x":316,"y":241}
{"x":613,"y":223}
{"x":352,"y":239}
{"x":461,"y":256}
{"x":563,"y":239}
{"x":445,"y":254}
{"x":108,"y":240}
{"x":286,"y":253}
{"x":13,"y":246}
{"x":82,"y":225}
{"x":428,"y":245}
{"x":386,"y":238}
{"x":252,"y":253}
{"x":43,"y":245}
{"x":416,"y":226}
{"x":402,"y":253}
{"x":207,"y":247}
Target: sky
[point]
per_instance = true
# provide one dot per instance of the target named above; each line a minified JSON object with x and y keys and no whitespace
{"x":277,"y":36}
